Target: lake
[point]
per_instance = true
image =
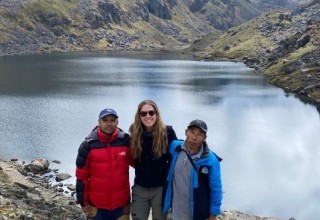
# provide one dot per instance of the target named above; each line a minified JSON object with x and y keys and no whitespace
{"x":268,"y":139}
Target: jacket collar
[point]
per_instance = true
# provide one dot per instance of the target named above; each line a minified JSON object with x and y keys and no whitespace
{"x":97,"y":135}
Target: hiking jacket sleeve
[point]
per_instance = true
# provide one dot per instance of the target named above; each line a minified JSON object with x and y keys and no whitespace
{"x":215,"y":186}
{"x":82,"y":174}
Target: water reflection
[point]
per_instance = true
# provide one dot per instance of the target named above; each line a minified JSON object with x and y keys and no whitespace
{"x":269,"y":140}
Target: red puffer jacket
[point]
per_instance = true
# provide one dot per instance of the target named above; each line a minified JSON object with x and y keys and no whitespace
{"x":103,"y":170}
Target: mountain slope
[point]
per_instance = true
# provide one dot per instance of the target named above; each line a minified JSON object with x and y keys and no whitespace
{"x":284,"y":46}
{"x":33,"y":26}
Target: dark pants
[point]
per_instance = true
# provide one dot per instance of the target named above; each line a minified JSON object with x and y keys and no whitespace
{"x":104,"y":214}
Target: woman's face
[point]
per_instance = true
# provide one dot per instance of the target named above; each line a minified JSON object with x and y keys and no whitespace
{"x":148,"y":116}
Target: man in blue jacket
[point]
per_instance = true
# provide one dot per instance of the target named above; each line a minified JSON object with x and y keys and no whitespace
{"x":194,"y":189}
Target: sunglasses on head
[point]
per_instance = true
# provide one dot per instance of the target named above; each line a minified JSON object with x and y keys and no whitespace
{"x":151,"y":113}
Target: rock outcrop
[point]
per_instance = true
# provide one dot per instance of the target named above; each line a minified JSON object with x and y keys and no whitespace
{"x":24,"y":195}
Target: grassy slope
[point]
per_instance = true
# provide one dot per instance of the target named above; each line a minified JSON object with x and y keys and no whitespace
{"x":249,"y":40}
{"x":65,"y":10}
{"x":243,"y":40}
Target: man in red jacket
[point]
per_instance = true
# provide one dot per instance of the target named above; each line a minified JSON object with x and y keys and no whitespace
{"x":103,"y":188}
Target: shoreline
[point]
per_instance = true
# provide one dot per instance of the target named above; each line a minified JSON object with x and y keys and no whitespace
{"x":33,"y":197}
{"x":303,"y":97}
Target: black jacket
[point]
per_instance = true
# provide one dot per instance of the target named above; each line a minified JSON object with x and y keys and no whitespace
{"x":151,"y":171}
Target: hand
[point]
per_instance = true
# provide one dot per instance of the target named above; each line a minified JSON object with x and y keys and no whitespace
{"x":212,"y":217}
{"x":126,"y":209}
{"x":89,"y":210}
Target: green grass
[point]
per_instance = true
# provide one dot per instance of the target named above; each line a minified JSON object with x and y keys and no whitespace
{"x":102,"y":44}
{"x":39,"y":8}
{"x":281,"y":64}
{"x":61,"y":6}
{"x":301,"y":51}
{"x":248,"y":47}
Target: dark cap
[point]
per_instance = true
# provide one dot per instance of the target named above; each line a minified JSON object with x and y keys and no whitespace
{"x":108,"y":111}
{"x":200,"y":124}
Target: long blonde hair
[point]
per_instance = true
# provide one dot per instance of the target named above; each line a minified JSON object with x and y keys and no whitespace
{"x":160,"y":140}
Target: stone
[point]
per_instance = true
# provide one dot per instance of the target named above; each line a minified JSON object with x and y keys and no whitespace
{"x":62,"y":176}
{"x":37,"y":166}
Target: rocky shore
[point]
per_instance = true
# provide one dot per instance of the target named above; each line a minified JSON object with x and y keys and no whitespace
{"x":27,"y":194}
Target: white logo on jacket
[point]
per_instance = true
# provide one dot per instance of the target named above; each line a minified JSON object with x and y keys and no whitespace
{"x":204,"y":170}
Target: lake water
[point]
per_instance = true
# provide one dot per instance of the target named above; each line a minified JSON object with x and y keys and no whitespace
{"x":269,"y":140}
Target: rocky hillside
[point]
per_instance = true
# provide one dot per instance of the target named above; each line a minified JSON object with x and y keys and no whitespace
{"x":33,"y":26}
{"x":283,"y":45}
{"x":274,"y":4}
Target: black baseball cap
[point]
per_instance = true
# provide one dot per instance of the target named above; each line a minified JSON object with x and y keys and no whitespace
{"x":200,"y":124}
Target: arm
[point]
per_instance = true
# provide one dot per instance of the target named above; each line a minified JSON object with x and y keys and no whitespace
{"x":215,"y":188}
{"x":82,"y":174}
{"x":171,"y":134}
{"x":131,"y":160}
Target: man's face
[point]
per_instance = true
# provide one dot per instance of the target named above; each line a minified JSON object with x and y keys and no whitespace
{"x":108,"y":124}
{"x":194,"y":137}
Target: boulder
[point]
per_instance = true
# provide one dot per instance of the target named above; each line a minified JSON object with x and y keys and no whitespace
{"x":38,"y":166}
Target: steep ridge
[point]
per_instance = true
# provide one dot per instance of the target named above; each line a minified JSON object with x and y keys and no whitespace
{"x":268,"y":5}
{"x":33,"y":26}
{"x":282,"y":45}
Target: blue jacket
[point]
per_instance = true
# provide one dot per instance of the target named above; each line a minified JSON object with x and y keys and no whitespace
{"x":206,"y":187}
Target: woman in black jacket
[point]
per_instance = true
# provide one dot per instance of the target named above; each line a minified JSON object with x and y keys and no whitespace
{"x":150,"y":139}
